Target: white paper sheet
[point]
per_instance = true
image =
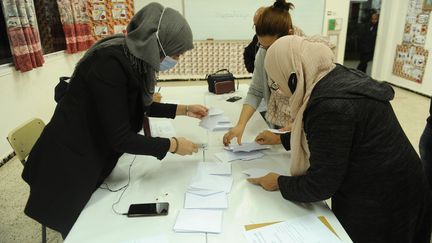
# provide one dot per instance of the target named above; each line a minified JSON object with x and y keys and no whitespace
{"x":212,"y":168}
{"x":276,"y":131}
{"x":212,"y":182}
{"x":202,"y":192}
{"x":216,"y":122}
{"x":246,"y":147}
{"x":228,"y":156}
{"x":213,"y":201}
{"x":306,"y":229}
{"x":198,"y":221}
{"x":215,"y":111}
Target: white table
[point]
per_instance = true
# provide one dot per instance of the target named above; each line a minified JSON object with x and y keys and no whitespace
{"x":153,"y":180}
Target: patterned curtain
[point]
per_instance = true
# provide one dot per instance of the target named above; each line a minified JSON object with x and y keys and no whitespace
{"x":50,"y":27}
{"x":76,"y":25}
{"x":23,"y":34}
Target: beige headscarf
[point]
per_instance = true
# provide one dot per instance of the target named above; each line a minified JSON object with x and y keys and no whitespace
{"x":310,"y":60}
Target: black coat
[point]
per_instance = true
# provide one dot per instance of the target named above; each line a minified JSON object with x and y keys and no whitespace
{"x":95,"y":122}
{"x":249,"y":54}
{"x":361,"y":158}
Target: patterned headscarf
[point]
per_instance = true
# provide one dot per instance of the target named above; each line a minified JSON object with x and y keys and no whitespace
{"x":310,"y":61}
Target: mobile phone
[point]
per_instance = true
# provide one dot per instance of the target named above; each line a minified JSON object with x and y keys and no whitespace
{"x":233,"y":99}
{"x":148,"y":209}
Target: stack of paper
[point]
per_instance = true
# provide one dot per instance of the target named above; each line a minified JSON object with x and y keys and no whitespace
{"x":216,"y":121}
{"x":217,"y":200}
{"x":277,"y":131}
{"x":228,"y":156}
{"x":246,"y":147}
{"x":212,"y":183}
{"x":307,"y":229}
{"x":198,"y":221}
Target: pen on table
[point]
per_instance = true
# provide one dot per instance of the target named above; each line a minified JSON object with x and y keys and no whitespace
{"x":159,"y":89}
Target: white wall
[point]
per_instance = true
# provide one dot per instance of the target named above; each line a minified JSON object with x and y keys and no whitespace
{"x":338,"y":9}
{"x":390,"y":32}
{"x":30,"y":94}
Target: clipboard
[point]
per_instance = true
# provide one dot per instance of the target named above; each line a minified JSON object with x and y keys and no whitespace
{"x":321,"y":218}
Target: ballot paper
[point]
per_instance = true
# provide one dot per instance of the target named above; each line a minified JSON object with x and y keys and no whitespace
{"x":277,"y":131}
{"x":212,"y":183}
{"x":198,"y":221}
{"x":212,"y":168}
{"x":306,"y":229}
{"x":217,"y":122}
{"x":202,"y":192}
{"x":213,"y":201}
{"x":246,"y":147}
{"x":215,"y":111}
{"x":228,"y":156}
{"x":161,"y":128}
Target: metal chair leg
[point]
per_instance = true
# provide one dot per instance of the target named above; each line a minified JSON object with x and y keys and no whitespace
{"x":44,"y":240}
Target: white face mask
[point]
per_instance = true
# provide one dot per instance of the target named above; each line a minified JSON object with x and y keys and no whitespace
{"x":168,"y":62}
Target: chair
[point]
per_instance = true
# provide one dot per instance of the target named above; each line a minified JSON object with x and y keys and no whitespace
{"x":22,"y":140}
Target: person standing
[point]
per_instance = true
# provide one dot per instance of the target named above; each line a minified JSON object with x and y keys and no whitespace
{"x":366,"y":42}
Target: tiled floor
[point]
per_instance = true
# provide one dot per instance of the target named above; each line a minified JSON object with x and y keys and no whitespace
{"x":411,"y":109}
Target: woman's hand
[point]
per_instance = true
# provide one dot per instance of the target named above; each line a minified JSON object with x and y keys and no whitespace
{"x":268,"y":138}
{"x":235,"y":132}
{"x":269,"y":182}
{"x":182,"y":146}
{"x":157,"y":97}
{"x":196,"y":111}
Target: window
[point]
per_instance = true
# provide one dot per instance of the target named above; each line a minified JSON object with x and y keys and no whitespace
{"x":49,"y":25}
{"x":5,"y":52}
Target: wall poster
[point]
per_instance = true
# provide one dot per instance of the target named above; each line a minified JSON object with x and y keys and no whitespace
{"x":411,"y":57}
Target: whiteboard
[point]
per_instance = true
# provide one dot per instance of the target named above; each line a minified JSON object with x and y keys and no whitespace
{"x":232,"y":19}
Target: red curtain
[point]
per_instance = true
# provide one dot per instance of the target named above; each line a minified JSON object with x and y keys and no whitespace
{"x":76,"y":25}
{"x":23,"y":34}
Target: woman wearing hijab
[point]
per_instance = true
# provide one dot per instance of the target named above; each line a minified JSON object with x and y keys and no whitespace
{"x":99,"y":117}
{"x":347,"y":144}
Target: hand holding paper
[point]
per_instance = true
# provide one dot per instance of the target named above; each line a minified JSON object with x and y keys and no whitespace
{"x":269,"y":182}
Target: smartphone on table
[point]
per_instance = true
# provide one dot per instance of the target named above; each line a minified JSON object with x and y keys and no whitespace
{"x":148,"y":209}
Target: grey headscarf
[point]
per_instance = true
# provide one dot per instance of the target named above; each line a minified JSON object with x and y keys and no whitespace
{"x":142,"y":47}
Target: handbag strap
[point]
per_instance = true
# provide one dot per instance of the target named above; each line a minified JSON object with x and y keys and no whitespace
{"x":222,"y":70}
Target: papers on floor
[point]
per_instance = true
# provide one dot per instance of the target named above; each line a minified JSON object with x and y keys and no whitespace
{"x":161,"y":128}
{"x":306,"y":229}
{"x":228,"y":156}
{"x":216,"y":121}
{"x":277,"y":131}
{"x":217,"y":200}
{"x":198,"y":221}
{"x":246,"y":147}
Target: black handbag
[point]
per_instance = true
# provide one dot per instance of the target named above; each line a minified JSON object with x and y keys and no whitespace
{"x":221,"y":82}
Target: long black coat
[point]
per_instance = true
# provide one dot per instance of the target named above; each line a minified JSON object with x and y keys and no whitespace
{"x":362,"y":159}
{"x":95,"y":122}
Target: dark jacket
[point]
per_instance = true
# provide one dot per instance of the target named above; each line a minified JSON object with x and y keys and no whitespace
{"x":361,"y":158}
{"x":429,"y":119}
{"x":95,"y":122}
{"x":249,"y":54}
{"x":367,"y":38}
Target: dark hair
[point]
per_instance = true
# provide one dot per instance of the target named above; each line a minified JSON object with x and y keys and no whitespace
{"x":275,"y":20}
